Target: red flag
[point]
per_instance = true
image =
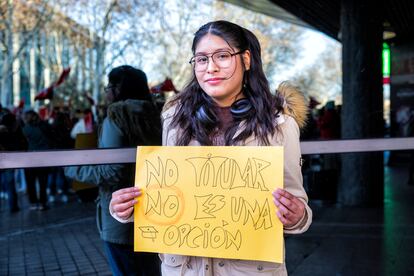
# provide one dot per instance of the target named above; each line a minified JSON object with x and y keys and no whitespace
{"x":43,"y":112}
{"x":21,"y":104}
{"x":313,"y":102}
{"x":18,"y":110}
{"x":63,"y":76}
{"x":46,"y":93}
{"x":165,"y":86}
{"x":88,"y":122}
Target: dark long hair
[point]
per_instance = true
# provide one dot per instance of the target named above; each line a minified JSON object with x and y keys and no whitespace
{"x":265,"y":106}
{"x":131,"y":81}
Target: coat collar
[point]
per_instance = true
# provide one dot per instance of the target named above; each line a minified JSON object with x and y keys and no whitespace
{"x":251,"y":140}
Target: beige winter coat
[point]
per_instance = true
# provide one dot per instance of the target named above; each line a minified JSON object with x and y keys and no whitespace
{"x":288,"y":137}
{"x":189,"y":265}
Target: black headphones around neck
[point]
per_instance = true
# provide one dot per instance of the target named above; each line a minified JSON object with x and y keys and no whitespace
{"x":240,"y":110}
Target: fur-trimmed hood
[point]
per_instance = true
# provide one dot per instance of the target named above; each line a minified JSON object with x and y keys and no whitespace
{"x":295,"y":104}
{"x":139,"y":120}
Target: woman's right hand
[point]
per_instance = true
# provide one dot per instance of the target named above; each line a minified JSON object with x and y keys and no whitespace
{"x":123,"y":201}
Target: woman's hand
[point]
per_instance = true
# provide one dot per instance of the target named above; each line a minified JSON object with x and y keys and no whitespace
{"x":123,"y":201}
{"x":291,"y":209}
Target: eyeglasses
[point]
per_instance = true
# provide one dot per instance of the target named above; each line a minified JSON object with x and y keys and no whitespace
{"x":222,"y":59}
{"x":109,"y":87}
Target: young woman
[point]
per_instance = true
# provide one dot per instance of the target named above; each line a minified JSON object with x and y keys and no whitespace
{"x":228,"y":102}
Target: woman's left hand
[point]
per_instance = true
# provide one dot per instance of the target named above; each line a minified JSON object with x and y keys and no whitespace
{"x":291,"y":208}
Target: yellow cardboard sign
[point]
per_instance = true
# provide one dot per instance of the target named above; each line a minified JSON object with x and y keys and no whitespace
{"x":209,"y":201}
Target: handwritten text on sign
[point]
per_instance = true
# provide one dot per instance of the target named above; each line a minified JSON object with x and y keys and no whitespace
{"x":209,"y":201}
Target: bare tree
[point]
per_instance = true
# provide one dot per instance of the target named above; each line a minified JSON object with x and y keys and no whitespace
{"x":153,"y":35}
{"x":169,"y":37}
{"x":19,"y":22}
{"x":97,"y":16}
{"x":323,"y":79}
{"x":280,"y":41}
{"x":113,"y":31}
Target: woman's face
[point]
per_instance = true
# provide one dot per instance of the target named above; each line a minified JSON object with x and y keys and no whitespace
{"x":111,"y":91}
{"x":223,"y":85}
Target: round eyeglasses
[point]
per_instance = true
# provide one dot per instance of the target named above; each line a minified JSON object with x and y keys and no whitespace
{"x":222,"y":59}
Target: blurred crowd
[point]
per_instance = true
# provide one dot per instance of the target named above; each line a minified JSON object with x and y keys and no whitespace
{"x":28,"y":131}
{"x":321,"y":172}
{"x":31,"y":131}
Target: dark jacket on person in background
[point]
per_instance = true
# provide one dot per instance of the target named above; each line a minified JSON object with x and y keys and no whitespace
{"x":11,"y":135}
{"x":129,"y":123}
{"x":39,"y":136}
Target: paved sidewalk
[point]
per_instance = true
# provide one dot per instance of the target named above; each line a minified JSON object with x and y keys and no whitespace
{"x":359,"y":241}
{"x":341,"y":241}
{"x":60,"y":241}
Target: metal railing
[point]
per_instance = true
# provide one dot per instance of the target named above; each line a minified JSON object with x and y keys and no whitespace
{"x":128,"y":155}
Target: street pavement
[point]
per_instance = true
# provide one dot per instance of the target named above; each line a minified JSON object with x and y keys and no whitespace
{"x":341,"y":241}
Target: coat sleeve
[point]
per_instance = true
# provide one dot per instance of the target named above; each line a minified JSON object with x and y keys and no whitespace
{"x":111,"y":137}
{"x":168,"y":139}
{"x":293,"y":181}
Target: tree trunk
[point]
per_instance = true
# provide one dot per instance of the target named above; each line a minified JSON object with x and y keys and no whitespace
{"x":99,"y":61}
{"x":7,"y":72}
{"x":16,"y":70}
{"x":32,"y":71}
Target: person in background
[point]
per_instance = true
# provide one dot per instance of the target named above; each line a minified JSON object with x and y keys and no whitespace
{"x":83,"y":125}
{"x":58,"y":185}
{"x":132,"y":119}
{"x":11,"y":139}
{"x":39,"y":136}
{"x":310,"y":130}
{"x":329,"y":122}
{"x":228,"y":102}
